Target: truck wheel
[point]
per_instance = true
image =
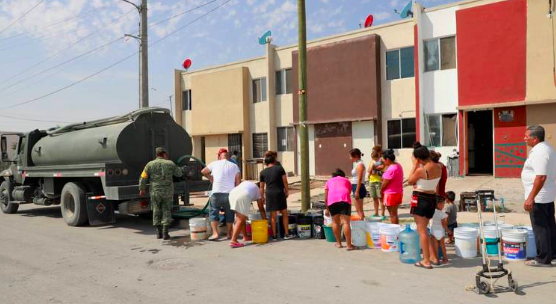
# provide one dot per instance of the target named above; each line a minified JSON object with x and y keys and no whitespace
{"x":74,"y":204}
{"x":5,"y":204}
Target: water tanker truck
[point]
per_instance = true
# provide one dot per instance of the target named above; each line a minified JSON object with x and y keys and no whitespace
{"x":92,"y":169}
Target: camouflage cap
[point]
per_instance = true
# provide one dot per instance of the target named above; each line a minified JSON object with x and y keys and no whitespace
{"x":160,"y":150}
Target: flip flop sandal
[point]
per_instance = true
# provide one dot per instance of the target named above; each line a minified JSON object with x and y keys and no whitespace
{"x":236,"y":245}
{"x":418,"y":264}
{"x":212,"y":238}
{"x":351,"y":248}
{"x":535,"y":263}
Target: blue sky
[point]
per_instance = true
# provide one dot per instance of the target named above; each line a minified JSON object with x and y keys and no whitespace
{"x":64,"y":41}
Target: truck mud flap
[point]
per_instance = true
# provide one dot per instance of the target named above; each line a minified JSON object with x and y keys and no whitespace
{"x":100,"y":211}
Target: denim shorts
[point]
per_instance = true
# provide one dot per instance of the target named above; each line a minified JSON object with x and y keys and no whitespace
{"x":362,"y":190}
{"x":218,"y":201}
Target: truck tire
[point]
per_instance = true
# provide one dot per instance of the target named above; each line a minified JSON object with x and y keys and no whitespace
{"x":5,"y":204}
{"x":74,"y":204}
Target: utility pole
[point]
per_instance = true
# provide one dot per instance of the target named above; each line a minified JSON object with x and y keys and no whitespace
{"x":303,"y":131}
{"x":143,"y":53}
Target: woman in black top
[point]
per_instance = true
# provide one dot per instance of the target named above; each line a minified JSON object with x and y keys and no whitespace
{"x":274,"y":190}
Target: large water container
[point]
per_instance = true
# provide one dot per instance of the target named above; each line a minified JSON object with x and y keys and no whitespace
{"x":358,"y":233}
{"x":410,"y":248}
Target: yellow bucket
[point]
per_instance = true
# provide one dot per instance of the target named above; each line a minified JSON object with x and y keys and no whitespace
{"x":260,"y":231}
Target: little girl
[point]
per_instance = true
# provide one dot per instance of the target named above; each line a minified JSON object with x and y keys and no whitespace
{"x":439,"y":226}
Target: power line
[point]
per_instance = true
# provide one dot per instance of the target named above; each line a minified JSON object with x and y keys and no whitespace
{"x":182,"y":13}
{"x":78,"y":16}
{"x":82,"y":39}
{"x":33,"y":40}
{"x":20,"y":18}
{"x":59,"y":52}
{"x":31,"y":119}
{"x":114,"y":64}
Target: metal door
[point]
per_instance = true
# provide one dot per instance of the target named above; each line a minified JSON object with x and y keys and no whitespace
{"x":332,"y":144}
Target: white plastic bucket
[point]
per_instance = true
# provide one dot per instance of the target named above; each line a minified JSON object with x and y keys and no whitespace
{"x":359,"y":233}
{"x":389,"y":237}
{"x":373,"y":234}
{"x":198,"y":228}
{"x":466,"y":242}
{"x":493,"y":223}
{"x":515,"y":244}
{"x":327,"y":220}
{"x":531,"y":245}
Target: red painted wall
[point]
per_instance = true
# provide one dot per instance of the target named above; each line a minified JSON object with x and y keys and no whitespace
{"x":491,"y":52}
{"x":510,"y":151}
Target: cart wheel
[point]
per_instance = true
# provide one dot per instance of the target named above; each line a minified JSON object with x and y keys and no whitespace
{"x":483,"y":288}
{"x":512,"y":283}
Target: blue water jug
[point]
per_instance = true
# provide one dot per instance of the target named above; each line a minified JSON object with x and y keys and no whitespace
{"x":410,"y":248}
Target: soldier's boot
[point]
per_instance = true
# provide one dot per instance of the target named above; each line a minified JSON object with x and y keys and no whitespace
{"x":165,"y":234}
{"x":158,"y":232}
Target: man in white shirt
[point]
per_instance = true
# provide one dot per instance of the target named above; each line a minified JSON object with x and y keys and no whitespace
{"x":539,"y":181}
{"x":225,"y":176}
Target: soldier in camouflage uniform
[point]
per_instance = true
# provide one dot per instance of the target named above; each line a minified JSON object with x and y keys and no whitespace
{"x":159,"y":173}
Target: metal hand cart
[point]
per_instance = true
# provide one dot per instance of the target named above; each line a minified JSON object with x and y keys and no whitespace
{"x":489,"y":271}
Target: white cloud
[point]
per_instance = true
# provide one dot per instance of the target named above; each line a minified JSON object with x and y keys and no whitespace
{"x":382,"y":16}
{"x":316,"y":28}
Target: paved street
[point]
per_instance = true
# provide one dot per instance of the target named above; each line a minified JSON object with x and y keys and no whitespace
{"x":44,"y":261}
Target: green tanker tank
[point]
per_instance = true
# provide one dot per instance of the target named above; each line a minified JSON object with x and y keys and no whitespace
{"x":93,"y":168}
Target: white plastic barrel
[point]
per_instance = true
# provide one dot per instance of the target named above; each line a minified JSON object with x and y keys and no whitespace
{"x":389,"y":237}
{"x":198,"y":228}
{"x":466,"y":242}
{"x":358,"y":233}
{"x":515,"y":244}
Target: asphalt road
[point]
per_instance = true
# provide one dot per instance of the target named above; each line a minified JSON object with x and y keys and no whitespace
{"x":44,"y":261}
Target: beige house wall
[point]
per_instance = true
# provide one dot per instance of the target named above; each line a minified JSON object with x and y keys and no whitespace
{"x":544,"y":115}
{"x":213,"y":143}
{"x":218,"y":102}
{"x":398,"y":95}
{"x":540,"y":51}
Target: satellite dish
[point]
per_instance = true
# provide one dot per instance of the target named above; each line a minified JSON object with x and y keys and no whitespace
{"x":406,"y":12}
{"x":266,"y":38}
{"x":369,"y":21}
{"x":187,"y":63}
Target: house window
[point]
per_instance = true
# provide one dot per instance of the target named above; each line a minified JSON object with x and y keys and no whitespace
{"x":186,"y":100}
{"x":259,"y":89}
{"x":401,"y":133}
{"x":285,"y":139}
{"x":260,"y":144}
{"x":441,"y":130}
{"x":440,"y":54}
{"x":284,"y":82}
{"x":400,"y":63}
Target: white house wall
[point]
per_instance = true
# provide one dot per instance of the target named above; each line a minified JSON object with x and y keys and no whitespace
{"x":363,"y":138}
{"x":440,"y":88}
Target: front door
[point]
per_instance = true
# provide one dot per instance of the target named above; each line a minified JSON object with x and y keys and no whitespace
{"x":234,"y":145}
{"x":332,"y":145}
{"x":480,"y":142}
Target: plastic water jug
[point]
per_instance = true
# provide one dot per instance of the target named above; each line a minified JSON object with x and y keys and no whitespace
{"x":410,"y":249}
